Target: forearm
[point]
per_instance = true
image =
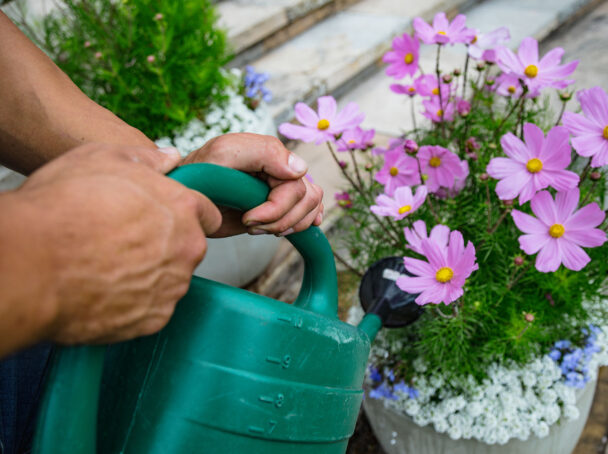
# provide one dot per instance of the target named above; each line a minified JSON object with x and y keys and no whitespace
{"x":27,"y":308}
{"x":43,"y":114}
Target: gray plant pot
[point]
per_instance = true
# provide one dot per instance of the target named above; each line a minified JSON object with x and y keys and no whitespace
{"x":398,"y":434}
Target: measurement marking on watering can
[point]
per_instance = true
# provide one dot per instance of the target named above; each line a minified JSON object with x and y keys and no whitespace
{"x":277,"y":401}
{"x":297,"y":322}
{"x":285,"y":361}
{"x":260,"y":430}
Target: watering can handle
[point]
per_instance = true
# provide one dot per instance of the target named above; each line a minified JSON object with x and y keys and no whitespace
{"x":75,"y":376}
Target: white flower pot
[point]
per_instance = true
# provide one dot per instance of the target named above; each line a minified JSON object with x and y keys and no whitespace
{"x":398,"y":434}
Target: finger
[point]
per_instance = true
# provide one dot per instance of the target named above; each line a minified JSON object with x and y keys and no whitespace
{"x":161,"y":160}
{"x":281,"y":200}
{"x":208,"y":214}
{"x":319,"y":217}
{"x":232,"y":223}
{"x":255,"y":153}
{"x":298,"y":218}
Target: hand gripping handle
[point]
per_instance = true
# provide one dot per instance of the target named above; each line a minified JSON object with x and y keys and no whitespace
{"x":68,"y":411}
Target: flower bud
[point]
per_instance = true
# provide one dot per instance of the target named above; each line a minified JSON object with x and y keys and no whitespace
{"x":447,"y":78}
{"x":98,"y":55}
{"x":343,"y":164}
{"x":480,"y":66}
{"x":594,"y":176}
{"x":565,"y":95}
{"x":518,"y":260}
{"x":158,"y":16}
{"x":369,"y":167}
{"x":528,"y":317}
{"x":456,"y":72}
{"x":87,"y":44}
{"x":484,"y":176}
{"x":410,"y":146}
{"x":490,"y":82}
{"x":472,"y":155}
{"x":151,"y":58}
{"x":507,"y":203}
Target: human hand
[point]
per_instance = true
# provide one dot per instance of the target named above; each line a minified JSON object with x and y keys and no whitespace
{"x":293,"y":204}
{"x":121,"y":240}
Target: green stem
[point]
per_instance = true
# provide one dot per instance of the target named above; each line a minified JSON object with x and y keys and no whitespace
{"x":466,"y":72}
{"x":561,"y":112}
{"x":500,"y":219}
{"x":347,"y":265}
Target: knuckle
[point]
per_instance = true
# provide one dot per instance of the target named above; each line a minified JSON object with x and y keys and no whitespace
{"x":299,"y":189}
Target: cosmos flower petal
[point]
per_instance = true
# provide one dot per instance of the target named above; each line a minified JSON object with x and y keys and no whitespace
{"x":515,"y":148}
{"x":573,"y":256}
{"x":549,"y":258}
{"x":543,"y":207}
{"x":455,"y":247}
{"x":534,"y":139}
{"x":588,"y":145}
{"x":566,"y":202}
{"x":563,"y":180}
{"x":600,"y":159}
{"x":306,"y":115}
{"x":508,"y":61}
{"x":560,"y":72}
{"x":587,"y":237}
{"x":594,"y":102}
{"x":415,"y":284}
{"x":510,"y":187}
{"x":298,"y":132}
{"x":587,"y":217}
{"x":327,"y":108}
{"x":500,"y":168}
{"x":578,"y":125}
{"x":440,"y":235}
{"x":418,"y":267}
{"x":433,"y":253}
{"x":528,"y":51}
{"x":552,"y":58}
{"x":533,"y":243}
{"x":527,"y":223}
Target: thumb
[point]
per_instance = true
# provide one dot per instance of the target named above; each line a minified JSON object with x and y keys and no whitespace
{"x":161,"y":160}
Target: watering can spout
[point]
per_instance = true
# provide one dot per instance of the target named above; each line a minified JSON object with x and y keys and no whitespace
{"x":370,"y":325}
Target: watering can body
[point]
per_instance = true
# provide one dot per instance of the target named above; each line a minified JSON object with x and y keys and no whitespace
{"x":233,"y":372}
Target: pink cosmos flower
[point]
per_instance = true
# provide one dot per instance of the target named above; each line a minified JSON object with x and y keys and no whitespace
{"x":356,"y":139}
{"x":440,"y":166}
{"x":440,"y":280}
{"x":399,"y":170}
{"x":483,"y":45}
{"x":442,"y":31}
{"x":536,"y":74}
{"x":590,"y":130}
{"x":427,"y":85}
{"x":416,"y":235}
{"x":508,"y":85}
{"x":459,"y":183}
{"x":324,"y":125}
{"x":401,"y":205}
{"x":463,"y":107}
{"x":434,"y":112}
{"x":558,"y":231}
{"x":400,"y":89}
{"x":403,"y":58}
{"x":533,"y":165}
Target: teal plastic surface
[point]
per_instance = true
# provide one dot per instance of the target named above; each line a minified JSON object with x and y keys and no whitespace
{"x":232,"y":372}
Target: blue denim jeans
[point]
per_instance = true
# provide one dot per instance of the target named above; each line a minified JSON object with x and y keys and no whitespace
{"x":21,"y":379}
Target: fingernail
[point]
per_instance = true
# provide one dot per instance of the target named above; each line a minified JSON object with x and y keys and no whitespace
{"x":257,"y":232}
{"x":286,"y":232}
{"x":251,"y":223}
{"x":169,"y":150}
{"x":296,"y":163}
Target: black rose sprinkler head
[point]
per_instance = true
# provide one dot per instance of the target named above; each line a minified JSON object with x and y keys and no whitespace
{"x":380,"y":295}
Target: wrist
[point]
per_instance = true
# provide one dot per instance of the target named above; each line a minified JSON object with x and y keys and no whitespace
{"x":28,"y":306}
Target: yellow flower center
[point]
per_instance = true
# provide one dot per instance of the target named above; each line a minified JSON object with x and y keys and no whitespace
{"x":351,"y":141}
{"x":394,"y":171}
{"x":435,"y":161}
{"x":531,"y":71}
{"x":556,"y":230}
{"x":408,"y":59}
{"x":441,"y":33}
{"x":411,"y":89}
{"x":605,"y":134}
{"x":474,"y":39}
{"x":511,"y":89}
{"x":435,"y":91}
{"x":405,"y":209}
{"x":534,"y":165}
{"x":323,"y":124}
{"x":440,"y":113}
{"x":444,"y":274}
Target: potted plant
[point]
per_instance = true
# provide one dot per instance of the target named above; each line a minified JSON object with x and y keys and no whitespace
{"x":496,"y":205}
{"x":160,"y":66}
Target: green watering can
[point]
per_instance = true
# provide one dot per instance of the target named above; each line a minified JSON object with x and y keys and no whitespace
{"x":233,"y":372}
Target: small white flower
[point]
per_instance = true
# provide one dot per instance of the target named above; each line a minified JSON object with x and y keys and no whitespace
{"x":541,"y":429}
{"x":571,"y":412}
{"x":441,"y":425}
{"x":455,"y":433}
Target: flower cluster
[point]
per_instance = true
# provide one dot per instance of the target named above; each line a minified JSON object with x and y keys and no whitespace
{"x":512,"y":402}
{"x":498,"y":210}
{"x":253,"y":85}
{"x":574,"y":361}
